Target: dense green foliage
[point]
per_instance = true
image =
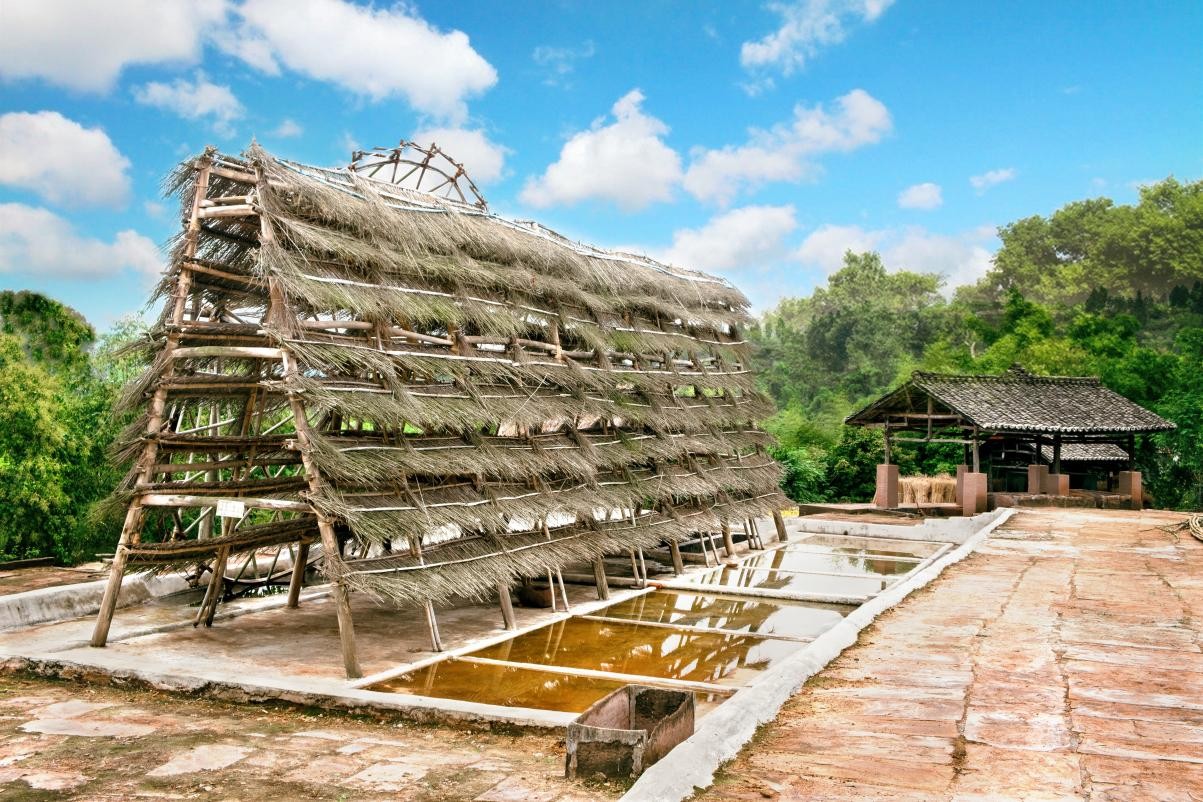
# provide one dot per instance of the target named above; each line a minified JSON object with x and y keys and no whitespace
{"x":1093,"y":289}
{"x":57,"y":387}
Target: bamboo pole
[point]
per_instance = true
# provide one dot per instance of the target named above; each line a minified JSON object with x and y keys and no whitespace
{"x":131,"y":529}
{"x":599,"y":578}
{"x":432,"y":623}
{"x":728,"y":541}
{"x":674,"y":549}
{"x":507,"y":606}
{"x":779,"y":523}
{"x":330,"y":548}
{"x":298,"y":575}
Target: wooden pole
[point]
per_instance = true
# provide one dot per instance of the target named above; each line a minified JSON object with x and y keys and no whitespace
{"x":432,"y":623}
{"x":779,"y":523}
{"x":331,"y":553}
{"x":298,"y":575}
{"x":674,"y":549}
{"x":216,"y":585}
{"x":728,"y":541}
{"x":977,"y":464}
{"x":599,"y":576}
{"x":1057,"y":453}
{"x":131,"y":529}
{"x":507,"y":606}
{"x":563,"y":591}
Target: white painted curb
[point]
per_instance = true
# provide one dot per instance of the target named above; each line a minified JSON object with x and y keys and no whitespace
{"x":61,"y":602}
{"x":691,"y":766}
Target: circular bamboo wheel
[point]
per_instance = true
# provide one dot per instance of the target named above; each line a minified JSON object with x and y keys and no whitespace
{"x":425,"y":169}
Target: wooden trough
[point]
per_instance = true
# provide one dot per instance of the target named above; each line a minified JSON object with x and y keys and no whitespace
{"x":623,"y":733}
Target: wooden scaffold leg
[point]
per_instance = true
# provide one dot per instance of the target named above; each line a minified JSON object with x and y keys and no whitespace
{"x":599,"y":576}
{"x":779,"y":523}
{"x":674,"y":549}
{"x":507,"y":606}
{"x":298,"y":575}
{"x":728,"y":541}
{"x":436,"y":642}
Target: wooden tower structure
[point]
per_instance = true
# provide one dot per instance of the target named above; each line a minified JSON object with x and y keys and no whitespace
{"x":427,"y":401}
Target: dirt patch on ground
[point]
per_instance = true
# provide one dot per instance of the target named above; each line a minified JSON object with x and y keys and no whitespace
{"x":62,"y":740}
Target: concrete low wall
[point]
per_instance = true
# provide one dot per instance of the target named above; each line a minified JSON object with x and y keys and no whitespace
{"x":71,"y":601}
{"x":945,"y":530}
{"x":723,"y":733}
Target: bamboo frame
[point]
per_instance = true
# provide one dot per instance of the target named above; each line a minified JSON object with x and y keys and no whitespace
{"x":424,"y":389}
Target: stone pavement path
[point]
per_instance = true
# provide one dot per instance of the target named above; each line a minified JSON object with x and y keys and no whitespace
{"x":62,"y":740}
{"x":1062,"y":661}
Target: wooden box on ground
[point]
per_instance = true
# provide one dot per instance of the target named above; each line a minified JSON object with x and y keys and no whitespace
{"x":623,"y":733}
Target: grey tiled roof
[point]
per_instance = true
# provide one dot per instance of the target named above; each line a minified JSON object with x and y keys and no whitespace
{"x":1086,"y":452}
{"x":1019,"y":401}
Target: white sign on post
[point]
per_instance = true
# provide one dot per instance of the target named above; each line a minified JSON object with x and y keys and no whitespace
{"x":230,"y":509}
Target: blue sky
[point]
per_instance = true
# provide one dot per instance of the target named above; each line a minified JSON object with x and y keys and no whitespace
{"x":757,"y":140}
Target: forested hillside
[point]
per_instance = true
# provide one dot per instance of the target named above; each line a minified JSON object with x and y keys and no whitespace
{"x":1093,"y":289}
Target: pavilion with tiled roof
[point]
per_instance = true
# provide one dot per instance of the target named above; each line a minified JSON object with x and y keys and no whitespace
{"x":1012,"y":419}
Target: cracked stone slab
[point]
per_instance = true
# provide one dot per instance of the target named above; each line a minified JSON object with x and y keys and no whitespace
{"x":87,"y":728}
{"x":206,"y":757}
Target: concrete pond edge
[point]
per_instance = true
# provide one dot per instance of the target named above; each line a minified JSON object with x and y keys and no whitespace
{"x":691,"y":766}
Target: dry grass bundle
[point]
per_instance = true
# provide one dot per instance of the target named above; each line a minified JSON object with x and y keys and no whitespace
{"x":940,"y":489}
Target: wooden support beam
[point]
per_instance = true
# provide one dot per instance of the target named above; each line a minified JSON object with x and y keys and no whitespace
{"x":432,"y":624}
{"x":507,"y":606}
{"x":240,"y":210}
{"x":599,"y":578}
{"x":278,"y":310}
{"x":219,"y":351}
{"x":728,"y":541}
{"x":298,"y":575}
{"x":182,"y":500}
{"x":779,"y":523}
{"x":674,"y":550}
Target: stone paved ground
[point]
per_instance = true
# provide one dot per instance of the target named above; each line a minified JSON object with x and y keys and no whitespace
{"x":1062,"y":661}
{"x":68,"y":741}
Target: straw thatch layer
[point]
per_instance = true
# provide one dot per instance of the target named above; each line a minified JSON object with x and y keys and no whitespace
{"x":542,"y":401}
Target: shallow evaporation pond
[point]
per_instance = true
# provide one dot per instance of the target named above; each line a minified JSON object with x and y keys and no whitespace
{"x":830,"y":562}
{"x":769,"y":579}
{"x":649,"y":651}
{"x":510,"y":686}
{"x":719,"y":611}
{"x":851,"y":544}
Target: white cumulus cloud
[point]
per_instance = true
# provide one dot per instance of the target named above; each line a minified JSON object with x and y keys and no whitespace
{"x":625,"y":162}
{"x":61,"y":161}
{"x":374,"y":52}
{"x":482,"y":158}
{"x":961,"y":259}
{"x":85,"y":44}
{"x":287,"y":129}
{"x":197,"y":99}
{"x":921,"y":196}
{"x":991,"y":178}
{"x":741,"y":238}
{"x":36,"y":241}
{"x":807,"y":26}
{"x":785,"y":152}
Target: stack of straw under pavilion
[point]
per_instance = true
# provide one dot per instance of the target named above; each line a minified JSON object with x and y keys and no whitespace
{"x":442,"y":402}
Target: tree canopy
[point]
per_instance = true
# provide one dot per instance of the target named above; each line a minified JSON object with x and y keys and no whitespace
{"x":1094,"y":289}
